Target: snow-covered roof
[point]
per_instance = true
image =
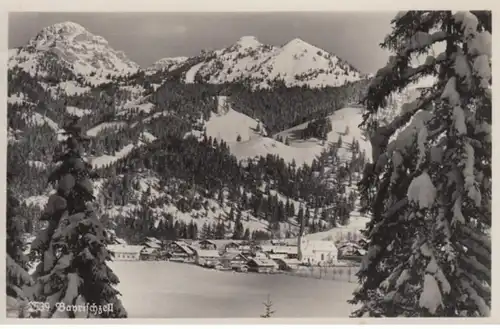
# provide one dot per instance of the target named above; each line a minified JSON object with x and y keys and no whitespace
{"x":120,"y":241}
{"x":148,"y":251}
{"x":348,"y":244}
{"x":264,"y":262}
{"x":231,"y":255}
{"x":279,"y":249}
{"x":207,"y":241}
{"x":184,"y":247}
{"x":154,"y":240}
{"x":289,"y":261}
{"x":319,"y":245}
{"x":120,"y":248}
{"x":220,"y":244}
{"x":207,"y":253}
{"x":151,"y":244}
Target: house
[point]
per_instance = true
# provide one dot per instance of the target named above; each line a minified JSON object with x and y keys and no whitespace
{"x":151,"y":242}
{"x":287,"y":264}
{"x":347,"y":248}
{"x":207,"y":245}
{"x":351,"y":251}
{"x":154,"y":240}
{"x":233,"y":261}
{"x":150,"y":254}
{"x":282,"y":250}
{"x":318,"y":252}
{"x":262,"y":265}
{"x":187,"y":241}
{"x":179,"y":251}
{"x":221,"y":245}
{"x":125,"y":252}
{"x":260,"y":254}
{"x":207,"y":257}
{"x":118,"y":240}
{"x":363,"y":243}
{"x":247,"y":250}
{"x":232,"y":247}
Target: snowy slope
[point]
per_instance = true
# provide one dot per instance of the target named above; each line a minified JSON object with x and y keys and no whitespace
{"x":227,"y":124}
{"x":296,"y":63}
{"x":343,"y":120}
{"x":77,"y":111}
{"x":106,"y":125}
{"x":211,"y":214}
{"x":37,"y":119}
{"x":76,"y":49}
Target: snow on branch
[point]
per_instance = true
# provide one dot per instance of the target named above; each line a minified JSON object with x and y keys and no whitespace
{"x":431,"y":297}
{"x":423,"y":40}
{"x":483,"y":308}
{"x":16,"y":272}
{"x":422,"y":191}
{"x":476,"y":248}
{"x":473,"y":263}
{"x":468,"y":21}
{"x":483,"y":240}
{"x":480,"y":44}
{"x":483,"y":288}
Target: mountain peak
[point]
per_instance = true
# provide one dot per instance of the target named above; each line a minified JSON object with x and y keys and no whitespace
{"x":167,"y":63}
{"x":66,"y":26}
{"x":70,"y":32}
{"x":78,"y":49}
{"x":298,"y":44}
{"x":296,"y":41}
{"x":248,"y":41}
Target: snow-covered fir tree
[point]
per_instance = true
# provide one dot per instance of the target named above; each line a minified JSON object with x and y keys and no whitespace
{"x":430,"y":182}
{"x":17,"y":276}
{"x":73,"y":269}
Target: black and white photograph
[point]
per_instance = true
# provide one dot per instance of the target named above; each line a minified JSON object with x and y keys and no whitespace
{"x":249,"y":165}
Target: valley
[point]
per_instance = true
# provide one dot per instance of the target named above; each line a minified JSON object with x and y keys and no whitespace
{"x":152,"y":188}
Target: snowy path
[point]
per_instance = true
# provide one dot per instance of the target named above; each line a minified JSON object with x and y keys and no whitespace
{"x":168,"y":290}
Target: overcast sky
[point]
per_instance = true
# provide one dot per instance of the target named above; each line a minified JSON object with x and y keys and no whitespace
{"x":147,"y":37}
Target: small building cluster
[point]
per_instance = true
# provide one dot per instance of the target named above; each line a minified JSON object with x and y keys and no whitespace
{"x":236,"y":255}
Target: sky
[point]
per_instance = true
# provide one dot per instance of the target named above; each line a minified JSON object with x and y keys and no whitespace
{"x":148,"y":37}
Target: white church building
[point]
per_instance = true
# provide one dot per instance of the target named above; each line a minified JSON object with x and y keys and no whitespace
{"x":318,"y":252}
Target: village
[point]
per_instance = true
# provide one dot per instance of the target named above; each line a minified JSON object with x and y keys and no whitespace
{"x":271,"y":256}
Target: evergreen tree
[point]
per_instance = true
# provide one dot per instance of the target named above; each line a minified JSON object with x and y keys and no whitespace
{"x":220,"y":230}
{"x":73,"y":250}
{"x":17,"y":276}
{"x":268,"y":308}
{"x":430,"y":245}
{"x":205,"y":231}
{"x":238,"y":227}
{"x":246,"y":235}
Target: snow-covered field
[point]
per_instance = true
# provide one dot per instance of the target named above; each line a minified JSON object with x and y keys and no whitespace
{"x":176,"y":290}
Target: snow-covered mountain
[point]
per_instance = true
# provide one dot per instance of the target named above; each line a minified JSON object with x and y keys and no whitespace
{"x":67,"y":70}
{"x":167,"y":64}
{"x":76,"y":49}
{"x":296,"y":63}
